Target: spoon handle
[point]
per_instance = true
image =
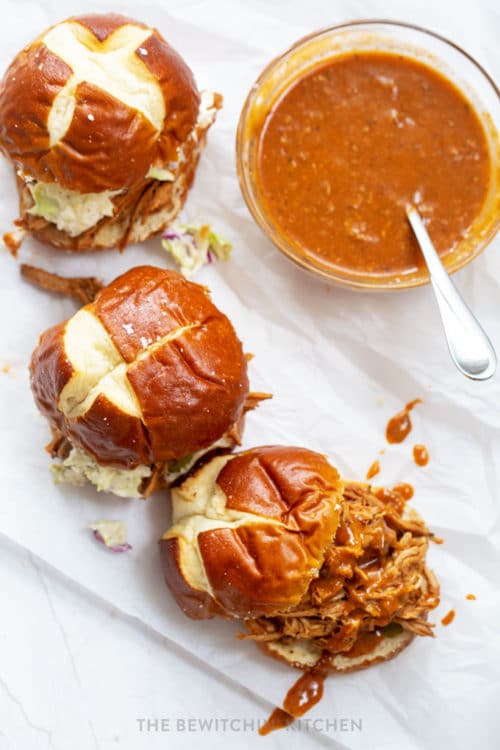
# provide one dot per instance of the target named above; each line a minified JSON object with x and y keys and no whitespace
{"x":470,"y":347}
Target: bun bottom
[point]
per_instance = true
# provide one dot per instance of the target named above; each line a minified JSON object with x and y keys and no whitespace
{"x":304,"y":654}
{"x":140,"y":213}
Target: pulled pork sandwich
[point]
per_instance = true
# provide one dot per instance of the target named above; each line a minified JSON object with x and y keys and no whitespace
{"x":138,"y":384}
{"x":320,"y":571}
{"x":104,"y":126}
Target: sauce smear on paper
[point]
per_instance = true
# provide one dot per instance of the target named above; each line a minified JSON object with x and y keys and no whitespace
{"x":448,"y":619}
{"x":471,"y":597}
{"x":11,"y":243}
{"x":373,"y":470}
{"x":399,"y":426}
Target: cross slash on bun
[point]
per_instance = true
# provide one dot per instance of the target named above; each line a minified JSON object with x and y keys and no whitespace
{"x":319,"y":570}
{"x":104,"y":125}
{"x":139,"y":383}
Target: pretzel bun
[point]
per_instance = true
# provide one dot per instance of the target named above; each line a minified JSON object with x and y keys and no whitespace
{"x":91,"y":106}
{"x":250,"y":532}
{"x":150,"y":371}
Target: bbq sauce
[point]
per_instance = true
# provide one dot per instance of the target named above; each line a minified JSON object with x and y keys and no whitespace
{"x":420,"y":455}
{"x":302,"y":696}
{"x":399,"y":426}
{"x":306,"y":692}
{"x":279,"y":719}
{"x":448,"y":619}
{"x":397,"y":496}
{"x":348,"y":144}
{"x":365,"y":644}
{"x":404,"y":489}
{"x":373,"y":470}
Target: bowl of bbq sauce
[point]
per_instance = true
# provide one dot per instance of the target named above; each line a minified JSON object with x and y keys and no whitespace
{"x":350,"y":125}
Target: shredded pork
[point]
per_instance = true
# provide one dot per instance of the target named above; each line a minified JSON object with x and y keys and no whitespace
{"x":374,"y":577}
{"x":83,"y":289}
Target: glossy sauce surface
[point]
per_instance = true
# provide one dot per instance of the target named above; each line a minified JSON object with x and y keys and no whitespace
{"x":350,"y":143}
{"x":420,"y":455}
{"x":399,"y":426}
{"x":404,"y":489}
{"x":365,"y":644}
{"x":390,"y":497}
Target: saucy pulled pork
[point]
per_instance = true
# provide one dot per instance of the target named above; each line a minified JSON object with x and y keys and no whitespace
{"x":374,"y":581}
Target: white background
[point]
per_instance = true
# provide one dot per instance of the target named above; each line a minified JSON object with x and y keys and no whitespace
{"x":90,"y":643}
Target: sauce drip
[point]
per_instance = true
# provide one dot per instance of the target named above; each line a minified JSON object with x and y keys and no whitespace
{"x":306,"y":692}
{"x":373,"y":470}
{"x":279,"y":719}
{"x":420,"y":455}
{"x":302,"y":696}
{"x":399,"y":426}
{"x":448,"y":619}
{"x":404,"y":489}
{"x":471,"y":597}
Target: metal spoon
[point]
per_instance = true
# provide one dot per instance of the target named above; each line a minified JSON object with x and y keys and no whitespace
{"x":470,"y":347}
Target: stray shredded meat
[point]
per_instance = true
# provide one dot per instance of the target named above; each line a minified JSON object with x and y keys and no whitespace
{"x":59,"y":446}
{"x":254,"y":398}
{"x":83,"y":289}
{"x":157,"y":480}
{"x":373,"y":575}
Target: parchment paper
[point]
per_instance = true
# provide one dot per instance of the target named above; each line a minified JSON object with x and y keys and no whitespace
{"x":339,"y":363}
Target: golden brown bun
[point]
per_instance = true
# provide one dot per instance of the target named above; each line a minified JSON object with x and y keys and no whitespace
{"x":141,"y":212}
{"x":250,"y":531}
{"x":91,"y":105}
{"x":116,"y":147}
{"x":151,"y":371}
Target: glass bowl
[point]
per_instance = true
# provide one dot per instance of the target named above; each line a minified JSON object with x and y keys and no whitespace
{"x":371,"y":35}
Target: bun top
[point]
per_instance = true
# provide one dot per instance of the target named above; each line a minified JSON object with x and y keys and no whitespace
{"x":94,"y":102}
{"x":250,"y":531}
{"x":149,"y":372}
